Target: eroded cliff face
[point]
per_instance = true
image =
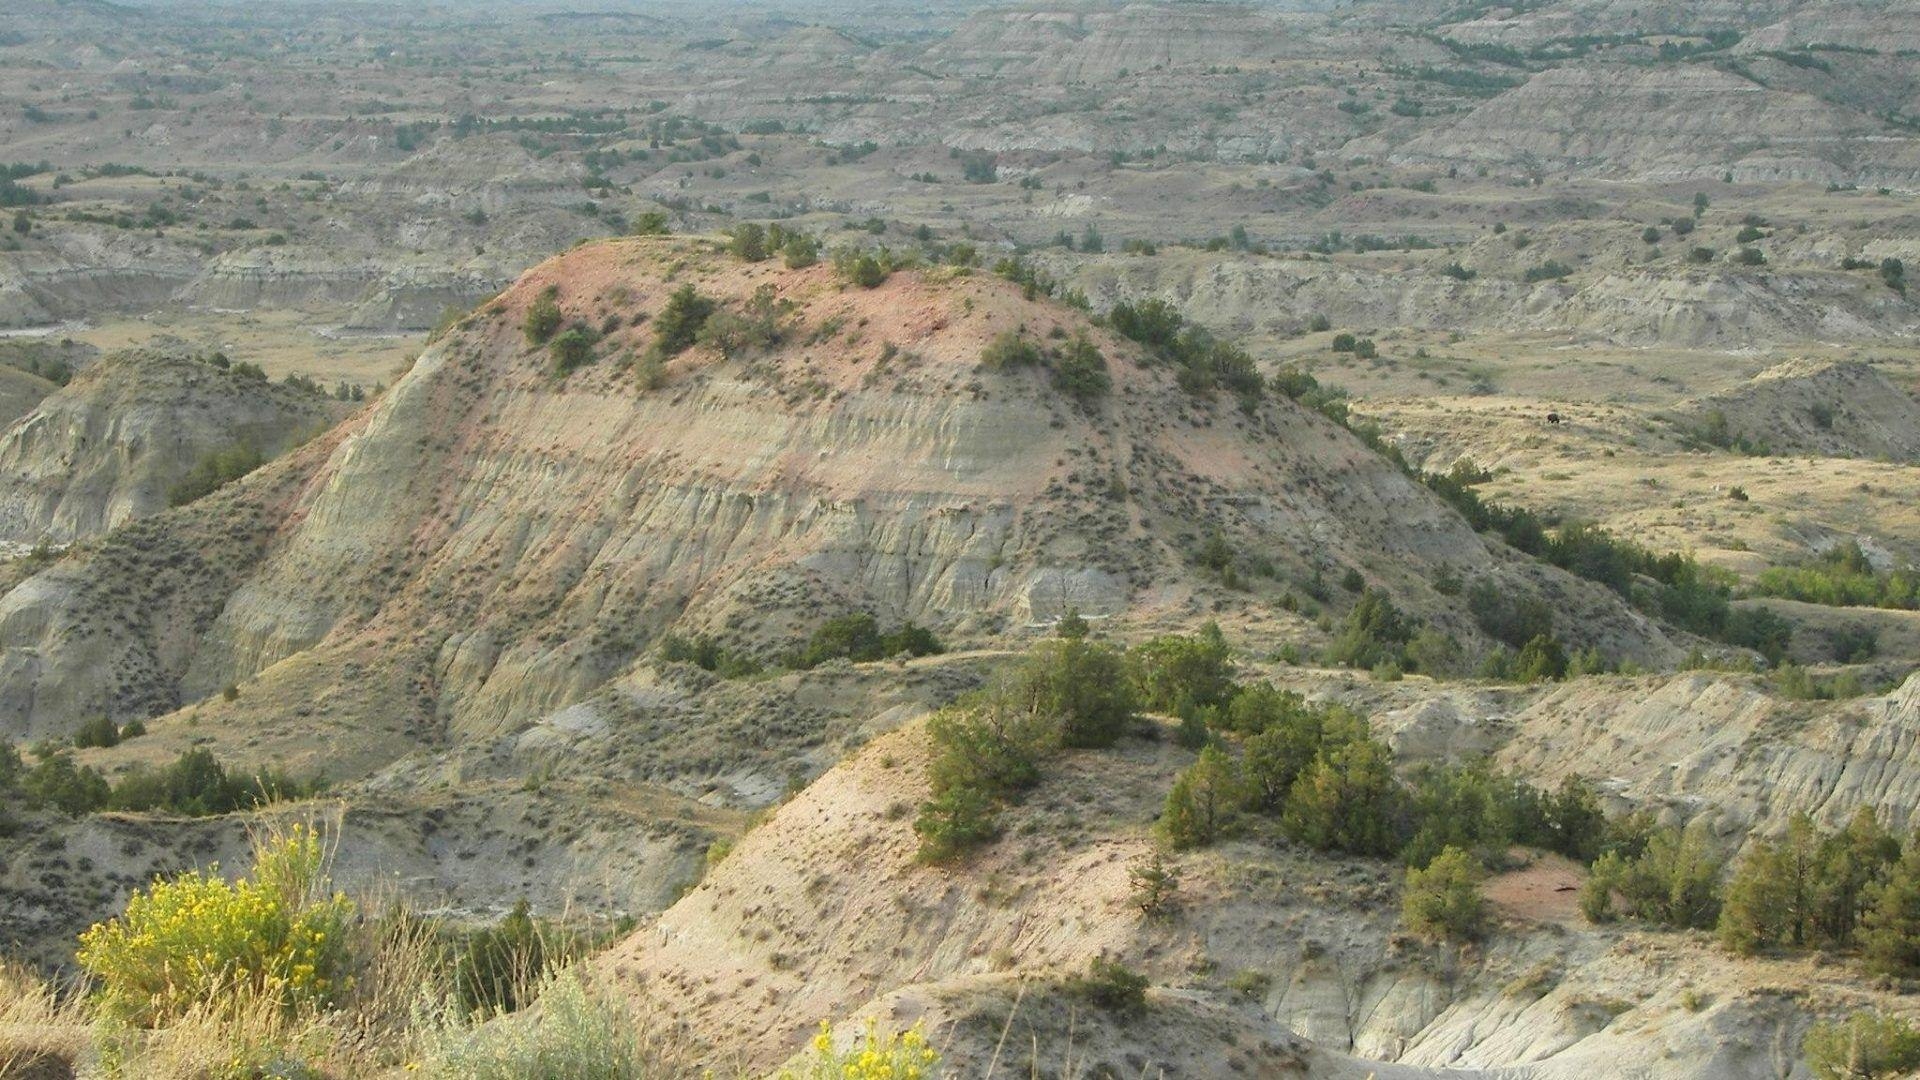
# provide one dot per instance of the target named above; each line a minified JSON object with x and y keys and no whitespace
{"x":110,"y":446}
{"x":1714,"y":307}
{"x":491,"y":542}
{"x":1697,"y":744}
{"x":1711,"y":745}
{"x":1073,"y":45}
{"x":1667,"y":123}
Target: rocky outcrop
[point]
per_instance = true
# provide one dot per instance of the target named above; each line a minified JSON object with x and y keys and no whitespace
{"x":418,"y":298}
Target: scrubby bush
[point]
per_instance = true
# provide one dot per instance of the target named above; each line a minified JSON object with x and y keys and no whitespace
{"x":1769,"y":899}
{"x":875,"y":1055}
{"x":955,"y":822}
{"x":707,"y":654}
{"x":543,"y":316}
{"x":1434,"y":652}
{"x":1196,"y":670}
{"x":1201,"y":361}
{"x":1443,"y":900}
{"x":1081,"y":684}
{"x":570,"y":350}
{"x":1009,"y":351}
{"x":989,"y":745}
{"x":1483,"y":813}
{"x":982,"y":752}
{"x":748,"y":241}
{"x":1843,"y":576}
{"x":1889,"y":929}
{"x":1508,"y":615}
{"x":760,"y":323}
{"x":198,"y":939}
{"x":857,"y":637}
{"x":1759,"y":629}
{"x":1202,"y":802}
{"x":214,"y":470}
{"x":1080,"y":372}
{"x":1347,"y":800}
{"x":499,"y":968}
{"x":56,"y":782}
{"x":1865,"y":1046}
{"x":1153,"y":882}
{"x":679,"y":322}
{"x":800,"y":251}
{"x":196,"y":785}
{"x":1374,"y":633}
{"x":867,"y":270}
{"x":1289,"y":739}
{"x":1674,"y":880}
{"x":1894,"y":273}
{"x":97,"y":732}
{"x":1542,"y":659}
{"x":579,"y":1032}
{"x":1111,"y":985}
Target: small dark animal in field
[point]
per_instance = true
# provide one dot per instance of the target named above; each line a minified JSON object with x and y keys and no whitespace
{"x":1553,"y":418}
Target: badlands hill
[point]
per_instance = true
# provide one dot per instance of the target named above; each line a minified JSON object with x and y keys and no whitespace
{"x":119,"y":440}
{"x":491,"y":543}
{"x":1814,"y":408}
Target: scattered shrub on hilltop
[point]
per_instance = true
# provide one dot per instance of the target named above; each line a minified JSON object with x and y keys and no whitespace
{"x":543,"y":316}
{"x":570,"y":350}
{"x":679,"y":322}
{"x":1201,"y":361}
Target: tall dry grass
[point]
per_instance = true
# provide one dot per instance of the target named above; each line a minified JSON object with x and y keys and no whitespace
{"x":45,"y":1033}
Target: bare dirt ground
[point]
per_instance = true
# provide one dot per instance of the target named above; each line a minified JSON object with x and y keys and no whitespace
{"x":1545,"y":890}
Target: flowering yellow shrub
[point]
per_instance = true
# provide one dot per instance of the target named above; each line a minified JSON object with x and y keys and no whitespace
{"x":902,"y":1055}
{"x":200,"y":939}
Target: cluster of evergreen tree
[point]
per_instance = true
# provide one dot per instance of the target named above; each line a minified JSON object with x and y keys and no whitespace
{"x":756,"y":243}
{"x":1319,"y":775}
{"x":1201,"y":361}
{"x":1067,"y":693}
{"x":856,"y":637}
{"x":1842,"y":577}
{"x":1673,"y":586}
{"x":196,"y":785}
